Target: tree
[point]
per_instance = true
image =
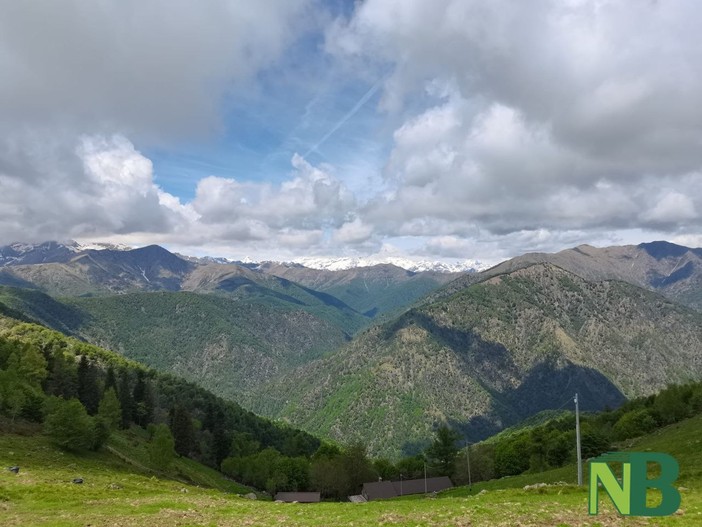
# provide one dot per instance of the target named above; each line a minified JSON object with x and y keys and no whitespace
{"x":110,"y":379}
{"x":482,"y":464}
{"x":126,"y":401}
{"x":68,"y":424}
{"x":243,"y":445}
{"x":357,"y":466}
{"x":670,"y":405}
{"x":88,"y":389}
{"x":512,"y":455}
{"x":28,"y":363}
{"x":12,"y":396}
{"x":328,"y":477}
{"x":183,"y":431}
{"x":143,"y":400}
{"x":63,"y":377}
{"x":442,"y":452}
{"x":385,"y":469}
{"x":109,"y":409}
{"x":161,"y":447}
{"x":633,"y":424}
{"x":411,"y":467}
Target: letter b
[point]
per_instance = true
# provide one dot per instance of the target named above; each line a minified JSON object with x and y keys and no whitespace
{"x":664,"y":483}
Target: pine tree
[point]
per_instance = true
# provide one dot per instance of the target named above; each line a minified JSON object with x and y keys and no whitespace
{"x":183,"y":431}
{"x":442,"y":452}
{"x":143,"y":400}
{"x":88,"y":389}
{"x":63,"y":377}
{"x":110,"y":379}
{"x":126,"y":401}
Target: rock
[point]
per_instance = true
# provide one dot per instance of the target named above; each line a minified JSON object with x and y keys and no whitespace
{"x":14,"y":469}
{"x":184,"y":490}
{"x":114,"y":486}
{"x":535,"y":486}
{"x":683,"y":489}
{"x":78,"y":481}
{"x":250,"y":496}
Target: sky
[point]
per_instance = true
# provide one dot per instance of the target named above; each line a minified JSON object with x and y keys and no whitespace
{"x":442,"y":130}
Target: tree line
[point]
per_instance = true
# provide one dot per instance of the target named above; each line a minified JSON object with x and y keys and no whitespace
{"x":552,"y":444}
{"x":81,"y":393}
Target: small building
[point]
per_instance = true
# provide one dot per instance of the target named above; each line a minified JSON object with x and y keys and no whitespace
{"x":298,"y":497}
{"x":379,"y":490}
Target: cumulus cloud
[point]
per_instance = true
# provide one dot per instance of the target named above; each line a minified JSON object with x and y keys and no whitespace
{"x":541,"y":117}
{"x":100,"y":186}
{"x":517,"y":126}
{"x":311,"y":199}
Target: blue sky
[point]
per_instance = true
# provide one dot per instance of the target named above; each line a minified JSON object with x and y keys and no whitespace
{"x":445,"y":130}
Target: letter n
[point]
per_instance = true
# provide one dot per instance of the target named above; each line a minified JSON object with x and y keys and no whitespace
{"x":619,"y":494}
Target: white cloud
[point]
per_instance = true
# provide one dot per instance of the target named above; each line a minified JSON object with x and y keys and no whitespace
{"x":539,"y":118}
{"x":517,"y":126}
{"x":310,"y":199}
{"x":152,"y":70}
{"x":353,"y":232}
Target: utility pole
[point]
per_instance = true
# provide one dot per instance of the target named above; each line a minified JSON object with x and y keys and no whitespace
{"x":577,"y":440}
{"x":470,"y":484}
{"x":425,"y":477}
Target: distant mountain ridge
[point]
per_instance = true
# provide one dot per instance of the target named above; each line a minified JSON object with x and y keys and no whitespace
{"x":354,"y":296}
{"x":61,"y":252}
{"x":672,"y":270}
{"x":491,"y":354}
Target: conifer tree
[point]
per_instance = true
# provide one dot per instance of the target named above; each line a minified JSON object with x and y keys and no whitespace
{"x":143,"y":400}
{"x":181,"y":425}
{"x":88,"y":389}
{"x":126,"y":401}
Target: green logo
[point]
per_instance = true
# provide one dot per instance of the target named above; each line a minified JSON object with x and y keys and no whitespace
{"x":629,"y":495}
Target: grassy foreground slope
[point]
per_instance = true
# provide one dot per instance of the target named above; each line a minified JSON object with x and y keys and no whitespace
{"x":115,"y":494}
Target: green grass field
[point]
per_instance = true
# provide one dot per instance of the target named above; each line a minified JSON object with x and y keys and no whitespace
{"x":120,"y":493}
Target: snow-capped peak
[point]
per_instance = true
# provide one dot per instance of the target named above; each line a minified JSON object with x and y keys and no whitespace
{"x":97,"y":246}
{"x":344,"y":263}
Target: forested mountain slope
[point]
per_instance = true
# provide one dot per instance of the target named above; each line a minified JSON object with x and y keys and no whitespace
{"x":491,"y":354}
{"x":226,"y":345}
{"x":372,"y":290}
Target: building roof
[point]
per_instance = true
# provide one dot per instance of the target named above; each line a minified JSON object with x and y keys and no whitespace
{"x":416,"y":486}
{"x":299,"y":497}
{"x":391,"y":489}
{"x":379,"y":490}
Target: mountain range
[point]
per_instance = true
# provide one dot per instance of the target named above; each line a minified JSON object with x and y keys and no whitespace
{"x":382,"y":353}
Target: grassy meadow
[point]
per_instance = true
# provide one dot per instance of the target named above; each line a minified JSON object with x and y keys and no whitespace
{"x":120,"y":490}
